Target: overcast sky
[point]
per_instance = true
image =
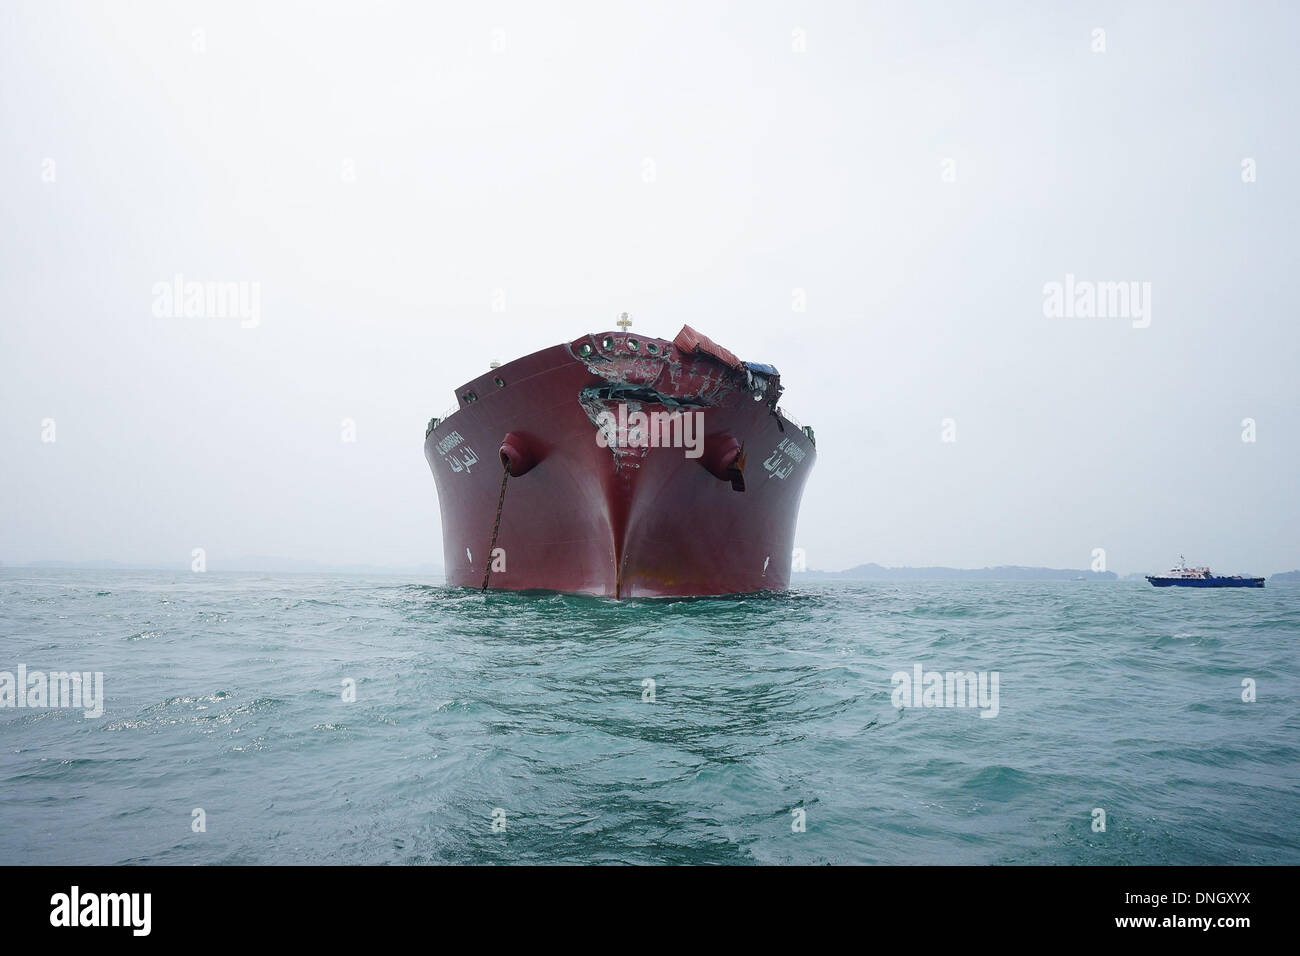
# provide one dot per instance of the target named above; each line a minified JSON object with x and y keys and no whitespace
{"x":918,"y":172}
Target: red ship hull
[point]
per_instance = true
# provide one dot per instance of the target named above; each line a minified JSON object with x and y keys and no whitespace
{"x":596,"y":503}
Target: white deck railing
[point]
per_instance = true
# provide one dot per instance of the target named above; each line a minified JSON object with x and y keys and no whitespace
{"x":789,"y":418}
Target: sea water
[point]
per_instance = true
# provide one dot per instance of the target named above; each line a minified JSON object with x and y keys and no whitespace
{"x":263,"y":719}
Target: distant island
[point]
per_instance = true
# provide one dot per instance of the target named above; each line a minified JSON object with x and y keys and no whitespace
{"x":876,"y":572}
{"x":255,"y":564}
{"x":1285,"y":577}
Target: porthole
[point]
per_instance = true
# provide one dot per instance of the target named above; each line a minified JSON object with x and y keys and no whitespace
{"x":652,"y":348}
{"x":500,"y":382}
{"x":585,"y":350}
{"x":633,"y":345}
{"x":607,"y":342}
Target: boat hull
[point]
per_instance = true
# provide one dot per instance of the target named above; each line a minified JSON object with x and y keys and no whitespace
{"x":624,"y":520}
{"x":1206,"y":582}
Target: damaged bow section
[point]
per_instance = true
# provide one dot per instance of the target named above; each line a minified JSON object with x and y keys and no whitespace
{"x":638,"y":487}
{"x":657,"y":394}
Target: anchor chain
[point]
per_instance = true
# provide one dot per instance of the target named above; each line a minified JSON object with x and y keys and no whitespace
{"x":496,"y":525}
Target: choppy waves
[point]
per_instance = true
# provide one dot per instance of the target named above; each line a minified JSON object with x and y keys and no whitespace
{"x":697,"y":731}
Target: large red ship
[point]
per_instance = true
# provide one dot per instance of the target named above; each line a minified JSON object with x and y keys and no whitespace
{"x":621,"y":466}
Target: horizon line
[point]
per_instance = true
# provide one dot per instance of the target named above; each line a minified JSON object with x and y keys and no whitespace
{"x":249,"y":564}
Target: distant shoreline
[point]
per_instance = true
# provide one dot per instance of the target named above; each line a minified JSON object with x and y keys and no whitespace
{"x":242,"y":566}
{"x":876,"y":572}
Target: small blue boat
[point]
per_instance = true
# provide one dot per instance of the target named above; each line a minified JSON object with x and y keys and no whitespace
{"x":1185,"y":577}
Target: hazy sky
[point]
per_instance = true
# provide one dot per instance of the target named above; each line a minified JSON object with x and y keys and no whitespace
{"x":920,"y":171}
